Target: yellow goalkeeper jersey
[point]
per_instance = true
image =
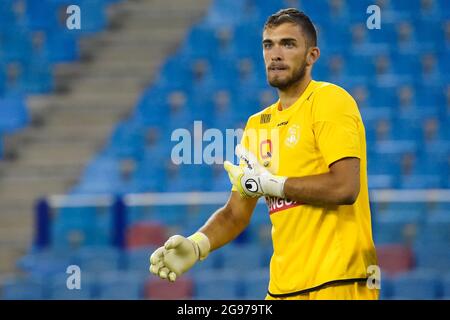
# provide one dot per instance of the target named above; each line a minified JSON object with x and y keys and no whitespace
{"x":314,"y":245}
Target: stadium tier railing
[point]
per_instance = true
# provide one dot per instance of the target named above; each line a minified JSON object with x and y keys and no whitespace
{"x":120,"y":207}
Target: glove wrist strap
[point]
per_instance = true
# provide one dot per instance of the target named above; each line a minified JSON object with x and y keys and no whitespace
{"x":274,"y":186}
{"x":202,"y":241}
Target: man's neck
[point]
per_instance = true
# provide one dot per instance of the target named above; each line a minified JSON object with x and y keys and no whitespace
{"x":290,"y":95}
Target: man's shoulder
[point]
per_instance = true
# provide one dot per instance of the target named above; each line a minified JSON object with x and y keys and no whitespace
{"x":324,"y":89}
{"x":332,"y":99}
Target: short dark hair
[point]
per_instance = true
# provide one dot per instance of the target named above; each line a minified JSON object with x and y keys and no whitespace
{"x":292,"y":15}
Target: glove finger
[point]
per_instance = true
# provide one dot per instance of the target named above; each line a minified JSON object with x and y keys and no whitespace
{"x":173,"y":242}
{"x":157,"y":256}
{"x":249,"y":158}
{"x":154,"y":268}
{"x":172,"y":276}
{"x":233,"y":171}
{"x":164,"y":272}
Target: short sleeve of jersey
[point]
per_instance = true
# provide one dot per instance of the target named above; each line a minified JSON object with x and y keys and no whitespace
{"x":336,"y":122}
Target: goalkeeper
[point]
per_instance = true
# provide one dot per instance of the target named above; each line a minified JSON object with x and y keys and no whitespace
{"x":306,"y":154}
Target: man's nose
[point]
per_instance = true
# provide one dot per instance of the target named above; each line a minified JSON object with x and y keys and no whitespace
{"x":276,"y":54}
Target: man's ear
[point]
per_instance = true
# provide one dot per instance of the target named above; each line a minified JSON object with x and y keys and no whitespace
{"x":313,"y":55}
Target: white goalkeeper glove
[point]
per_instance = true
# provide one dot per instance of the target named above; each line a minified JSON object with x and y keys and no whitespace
{"x":178,"y":255}
{"x":253,"y":180}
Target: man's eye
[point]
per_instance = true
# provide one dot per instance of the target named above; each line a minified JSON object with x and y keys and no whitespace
{"x":289,"y":45}
{"x":267,"y":45}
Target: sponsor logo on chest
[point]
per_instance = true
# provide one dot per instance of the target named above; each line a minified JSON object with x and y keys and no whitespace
{"x":277,"y":204}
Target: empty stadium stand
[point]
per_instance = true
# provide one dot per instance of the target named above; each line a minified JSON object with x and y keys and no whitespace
{"x":115,"y":92}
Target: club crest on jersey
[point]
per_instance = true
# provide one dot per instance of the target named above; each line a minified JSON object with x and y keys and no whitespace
{"x":293,"y":136}
{"x":277,"y":204}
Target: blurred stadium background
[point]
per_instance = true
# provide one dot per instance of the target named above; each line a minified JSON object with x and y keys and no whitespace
{"x":86,"y":117}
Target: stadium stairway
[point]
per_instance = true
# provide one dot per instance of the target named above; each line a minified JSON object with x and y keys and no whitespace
{"x":92,"y":95}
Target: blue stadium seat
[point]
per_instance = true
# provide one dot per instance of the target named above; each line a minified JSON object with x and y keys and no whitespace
{"x":61,"y":47}
{"x":22,"y":289}
{"x":7,"y":16}
{"x":383,"y":164}
{"x":127,"y":140}
{"x":381,"y":181}
{"x":121,"y":286}
{"x":382,"y":96}
{"x":406,"y":63}
{"x":394,"y":226}
{"x":256,"y":283}
{"x":169,"y":215}
{"x":387,"y":34}
{"x":446,"y":286}
{"x":77,"y":233}
{"x":217,"y":285}
{"x":58,"y":287}
{"x":201,"y":42}
{"x":14,"y":114}
{"x":3,"y":80}
{"x":335,"y":36}
{"x":421,"y":181}
{"x":137,"y":259}
{"x":437,"y":228}
{"x":386,"y":288}
{"x":94,"y":15}
{"x":416,"y":285}
{"x":359,"y":65}
{"x":405,"y":5}
{"x":37,"y":77}
{"x":213,"y":263}
{"x":243,"y":257}
{"x":45,"y":263}
{"x":433,"y":256}
{"x":99,"y":259}
{"x":225,"y":13}
{"x":17,"y":45}
{"x":41,"y":15}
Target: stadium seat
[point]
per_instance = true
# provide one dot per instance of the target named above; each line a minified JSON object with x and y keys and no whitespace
{"x":145,"y":234}
{"x":137,"y":259}
{"x":159,"y":289}
{"x":446,"y":286}
{"x":14,"y":114}
{"x":60,"y":47}
{"x":243,"y":257}
{"x":437,"y":228}
{"x":121,"y":286}
{"x":45,"y":263}
{"x":22,"y":289}
{"x":58,"y":289}
{"x":386,"y":287}
{"x":421,"y":182}
{"x":432,"y":256}
{"x":256,"y":284}
{"x":217,"y":285}
{"x":416,"y":285}
{"x":99,"y":259}
{"x":396,"y":226}
{"x":394,"y":258}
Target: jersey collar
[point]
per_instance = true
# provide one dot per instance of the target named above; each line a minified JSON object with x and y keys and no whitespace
{"x":305,"y":95}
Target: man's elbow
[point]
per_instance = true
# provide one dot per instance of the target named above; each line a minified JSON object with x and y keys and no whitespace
{"x":348,"y":195}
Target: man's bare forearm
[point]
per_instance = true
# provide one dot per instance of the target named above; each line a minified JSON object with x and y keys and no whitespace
{"x":222,"y":227}
{"x":333,"y":188}
{"x":229,"y":221}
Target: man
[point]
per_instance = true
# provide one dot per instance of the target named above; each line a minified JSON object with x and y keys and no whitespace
{"x":307,"y":155}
